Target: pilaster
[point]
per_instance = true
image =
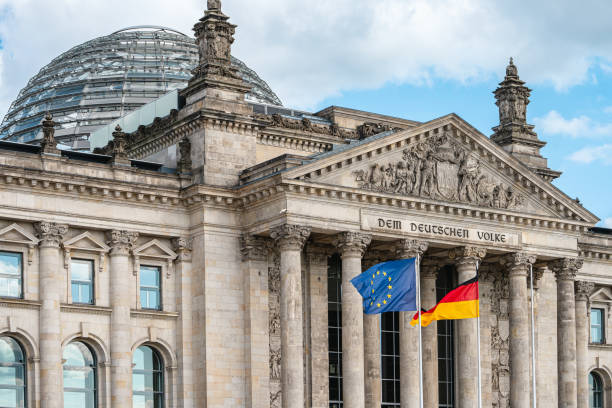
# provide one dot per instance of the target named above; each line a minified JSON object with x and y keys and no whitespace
{"x":409,"y":336}
{"x":121,"y":244}
{"x":51,"y":236}
{"x":254,"y":252}
{"x":583,"y":290}
{"x":290,"y":240}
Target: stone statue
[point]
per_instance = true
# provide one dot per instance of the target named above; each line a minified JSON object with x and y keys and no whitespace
{"x":214,"y":4}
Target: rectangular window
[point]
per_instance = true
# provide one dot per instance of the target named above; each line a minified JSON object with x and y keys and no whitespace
{"x":11,"y":274}
{"x":597,"y":326}
{"x":390,"y":359}
{"x":150,"y":287}
{"x":81,"y":281}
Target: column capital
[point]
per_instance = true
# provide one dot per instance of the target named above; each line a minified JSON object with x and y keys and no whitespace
{"x":410,"y":248}
{"x":290,"y":237}
{"x":518,"y":262}
{"x":352,"y":243}
{"x":583,"y":289}
{"x":566,"y":268}
{"x":254,"y":248}
{"x":121,"y":241}
{"x":183,"y":247}
{"x":467,"y":254}
{"x":50,"y":234}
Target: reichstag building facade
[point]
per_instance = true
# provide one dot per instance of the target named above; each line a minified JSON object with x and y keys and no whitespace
{"x":205,"y":259}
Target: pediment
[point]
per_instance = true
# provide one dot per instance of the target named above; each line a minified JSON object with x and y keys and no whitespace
{"x":155,"y":249}
{"x":86,"y":242}
{"x":601,"y":295}
{"x":445,"y":160}
{"x":16,"y":234}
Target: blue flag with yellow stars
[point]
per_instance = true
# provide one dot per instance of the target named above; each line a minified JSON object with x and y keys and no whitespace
{"x":388,"y":287}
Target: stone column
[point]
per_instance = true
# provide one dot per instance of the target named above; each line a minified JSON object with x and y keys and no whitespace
{"x":352,"y":246}
{"x":429,"y":274}
{"x":183,"y":246}
{"x":583,"y":290}
{"x":319,"y":339}
{"x":51,"y":289}
{"x":121,"y":243}
{"x":546,"y":335}
{"x":466,"y":260}
{"x":409,"y":336}
{"x":290,"y":240}
{"x":520,"y":335}
{"x":255,"y":266}
{"x":566,"y":269}
{"x":371,"y":346}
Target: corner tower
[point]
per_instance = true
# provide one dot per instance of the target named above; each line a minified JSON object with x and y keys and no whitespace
{"x":225,"y":140}
{"x":513,"y":133}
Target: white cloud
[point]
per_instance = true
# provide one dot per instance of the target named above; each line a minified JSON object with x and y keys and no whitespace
{"x":590,"y":154}
{"x":309,"y":50}
{"x":607,"y":223}
{"x":582,"y":126}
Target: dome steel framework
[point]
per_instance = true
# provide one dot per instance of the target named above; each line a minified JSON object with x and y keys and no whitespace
{"x":103,"y":79}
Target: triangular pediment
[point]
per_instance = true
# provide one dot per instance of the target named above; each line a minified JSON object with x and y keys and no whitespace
{"x":445,"y":160}
{"x":601,"y":295}
{"x":14,"y":233}
{"x":86,"y":242}
{"x":155,"y":249}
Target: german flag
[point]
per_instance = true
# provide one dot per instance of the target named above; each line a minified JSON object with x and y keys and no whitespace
{"x":460,"y":303}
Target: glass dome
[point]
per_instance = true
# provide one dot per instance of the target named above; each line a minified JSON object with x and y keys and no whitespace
{"x":103,"y":79}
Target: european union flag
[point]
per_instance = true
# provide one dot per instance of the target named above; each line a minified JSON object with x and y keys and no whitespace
{"x":388,"y":287}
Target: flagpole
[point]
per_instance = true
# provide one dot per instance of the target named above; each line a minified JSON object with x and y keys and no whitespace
{"x":478,"y":335}
{"x":418,"y":287}
{"x":533,"y":362}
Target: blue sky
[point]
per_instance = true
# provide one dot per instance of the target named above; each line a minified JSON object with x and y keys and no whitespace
{"x":417,"y":59}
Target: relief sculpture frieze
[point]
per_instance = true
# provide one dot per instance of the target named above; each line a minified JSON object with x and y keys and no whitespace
{"x":439,"y":168}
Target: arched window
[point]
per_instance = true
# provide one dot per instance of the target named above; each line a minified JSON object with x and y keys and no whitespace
{"x":12,"y":374}
{"x":147,"y":379}
{"x":79,"y":376}
{"x":595,"y":391}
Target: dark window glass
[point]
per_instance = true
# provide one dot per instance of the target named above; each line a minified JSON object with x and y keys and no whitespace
{"x":12,"y":374}
{"x":595,"y":391}
{"x":389,"y":342}
{"x":81,"y":275}
{"x":11,"y":274}
{"x":334,"y":291}
{"x":147,"y":379}
{"x":150,"y":287}
{"x":597,"y":326}
{"x":446,"y":357}
{"x":79,"y":376}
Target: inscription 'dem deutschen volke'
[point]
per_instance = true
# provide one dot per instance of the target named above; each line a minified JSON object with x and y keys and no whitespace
{"x":439,"y":230}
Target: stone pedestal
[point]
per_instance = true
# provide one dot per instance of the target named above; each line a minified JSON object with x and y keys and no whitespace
{"x":566,"y":269}
{"x":518,"y":267}
{"x":429,"y":273}
{"x":121,"y":243}
{"x":186,"y":398}
{"x":466,"y":260}
{"x":583,"y":290}
{"x":290,"y":240}
{"x":409,"y":336}
{"x":351,"y":246}
{"x":51,"y":288}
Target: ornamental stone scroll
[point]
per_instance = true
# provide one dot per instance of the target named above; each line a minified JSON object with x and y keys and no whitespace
{"x":518,"y":263}
{"x":467,"y":255}
{"x":583,"y":290}
{"x":50,"y":233}
{"x":566,"y":268}
{"x":352,"y":243}
{"x":254,"y":248}
{"x":410,"y":248}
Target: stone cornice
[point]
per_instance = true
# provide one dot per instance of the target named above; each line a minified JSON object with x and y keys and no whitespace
{"x":153,"y":314}
{"x":88,"y":309}
{"x":20,"y":304}
{"x":595,"y":253}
